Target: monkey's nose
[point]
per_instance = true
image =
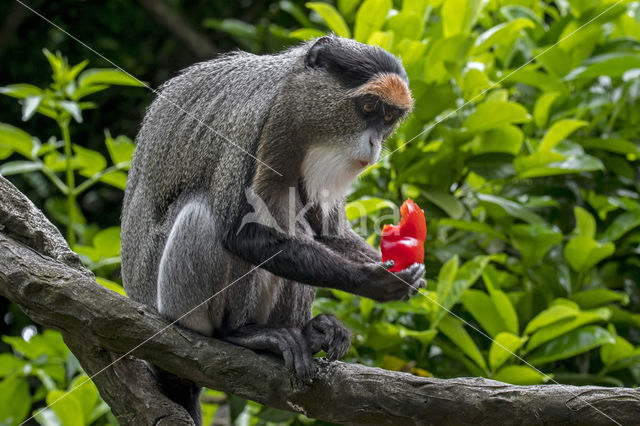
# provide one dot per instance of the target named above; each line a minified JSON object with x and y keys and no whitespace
{"x":364,"y":163}
{"x":371,"y":142}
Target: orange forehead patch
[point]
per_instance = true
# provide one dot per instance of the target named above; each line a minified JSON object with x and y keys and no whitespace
{"x":390,"y":88}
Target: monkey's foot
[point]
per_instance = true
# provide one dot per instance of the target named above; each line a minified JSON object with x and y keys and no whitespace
{"x":288,"y":342}
{"x":326,"y":332}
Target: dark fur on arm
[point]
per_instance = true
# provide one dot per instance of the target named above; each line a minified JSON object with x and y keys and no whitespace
{"x":302,"y":259}
{"x":351,"y":245}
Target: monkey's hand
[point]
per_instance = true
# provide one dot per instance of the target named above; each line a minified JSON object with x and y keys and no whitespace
{"x":382,"y":285}
{"x":325,"y":332}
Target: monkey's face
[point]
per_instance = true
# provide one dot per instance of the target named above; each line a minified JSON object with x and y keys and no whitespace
{"x":379,"y":106}
{"x":354,"y":98}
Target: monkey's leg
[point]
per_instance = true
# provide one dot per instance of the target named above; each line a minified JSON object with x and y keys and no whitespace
{"x":325,"y":332}
{"x":288,"y":342}
{"x":187,"y":268}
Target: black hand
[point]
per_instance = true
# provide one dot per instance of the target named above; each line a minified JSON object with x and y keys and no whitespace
{"x":382,"y":285}
{"x":326,"y":332}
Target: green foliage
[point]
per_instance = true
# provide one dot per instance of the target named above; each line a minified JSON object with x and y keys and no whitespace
{"x":72,"y":398}
{"x":40,"y":369}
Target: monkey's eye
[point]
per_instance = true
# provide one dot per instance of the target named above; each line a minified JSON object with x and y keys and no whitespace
{"x":370,"y":107}
{"x":390,"y":116}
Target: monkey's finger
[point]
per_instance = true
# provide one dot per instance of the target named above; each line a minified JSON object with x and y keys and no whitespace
{"x":284,"y":348}
{"x":302,"y":356}
{"x":388,"y":264}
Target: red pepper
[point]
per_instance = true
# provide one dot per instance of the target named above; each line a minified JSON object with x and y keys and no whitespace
{"x":404,"y":243}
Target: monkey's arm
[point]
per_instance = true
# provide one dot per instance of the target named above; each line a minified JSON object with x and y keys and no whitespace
{"x":351,"y":245}
{"x":337,"y":234}
{"x":305,"y":260}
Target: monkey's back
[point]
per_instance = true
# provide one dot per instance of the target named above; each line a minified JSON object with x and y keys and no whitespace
{"x":198,"y":138}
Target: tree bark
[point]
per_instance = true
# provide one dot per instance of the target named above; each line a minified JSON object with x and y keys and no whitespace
{"x":39,"y":272}
{"x":174,"y":22}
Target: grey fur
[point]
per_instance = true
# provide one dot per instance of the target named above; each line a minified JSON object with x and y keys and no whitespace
{"x":185,"y":198}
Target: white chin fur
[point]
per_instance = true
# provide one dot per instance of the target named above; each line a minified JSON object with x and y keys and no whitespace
{"x":327,"y":175}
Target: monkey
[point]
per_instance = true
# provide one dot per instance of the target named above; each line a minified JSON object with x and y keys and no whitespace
{"x":291,"y":130}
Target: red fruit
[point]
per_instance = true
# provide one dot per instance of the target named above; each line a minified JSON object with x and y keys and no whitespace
{"x":404,"y":243}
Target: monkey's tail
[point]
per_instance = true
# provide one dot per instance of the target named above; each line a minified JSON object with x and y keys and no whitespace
{"x":181,"y":391}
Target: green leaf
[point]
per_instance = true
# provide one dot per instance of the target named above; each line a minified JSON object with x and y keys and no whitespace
{"x":9,"y":364}
{"x":572,"y":164}
{"x":21,"y":91}
{"x":500,"y":300}
{"x":16,"y":139}
{"x":536,"y":161}
{"x":107,"y":242}
{"x":534,"y":241}
{"x":82,"y":92}
{"x":511,"y":208}
{"x":108,"y":76}
{"x":383,"y":39}
{"x":67,"y":407}
{"x":503,"y":347}
{"x":459,"y":16}
{"x":493,"y":114}
{"x":583,"y":253}
{"x":120,"y":149}
{"x":19,"y":167}
{"x":30,"y":105}
{"x":405,"y":25}
{"x":454,"y":330}
{"x":564,"y":326}
{"x":617,"y":145}
{"x":571,"y":344}
{"x":621,"y":225}
{"x":520,"y":375}
{"x":86,"y":393}
{"x":447,"y":202}
{"x":332,"y":17}
{"x":347,"y":7}
{"x":370,"y":18}
{"x":559,"y":131}
{"x":113,"y":286}
{"x":88,"y":161}
{"x":479,"y":304}
{"x":72,"y":108}
{"x":599,"y":296}
{"x":501,"y":34}
{"x":614,"y":352}
{"x":49,"y":343}
{"x":542,"y":107}
{"x":507,"y":139}
{"x":551,"y":315}
{"x":450,"y":291}
{"x":609,"y":64}
{"x":15,"y":400}
{"x":478,"y":227}
{"x":365,"y":206}
{"x":117,"y":179}
{"x":306,"y":34}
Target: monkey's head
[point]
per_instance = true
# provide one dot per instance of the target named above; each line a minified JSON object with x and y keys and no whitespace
{"x":355,"y":96}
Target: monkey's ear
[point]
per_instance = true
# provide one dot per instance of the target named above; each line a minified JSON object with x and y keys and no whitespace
{"x":314,"y":57}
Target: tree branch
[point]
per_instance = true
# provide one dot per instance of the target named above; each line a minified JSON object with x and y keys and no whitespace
{"x":41,"y":275}
{"x":173,"y":21}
